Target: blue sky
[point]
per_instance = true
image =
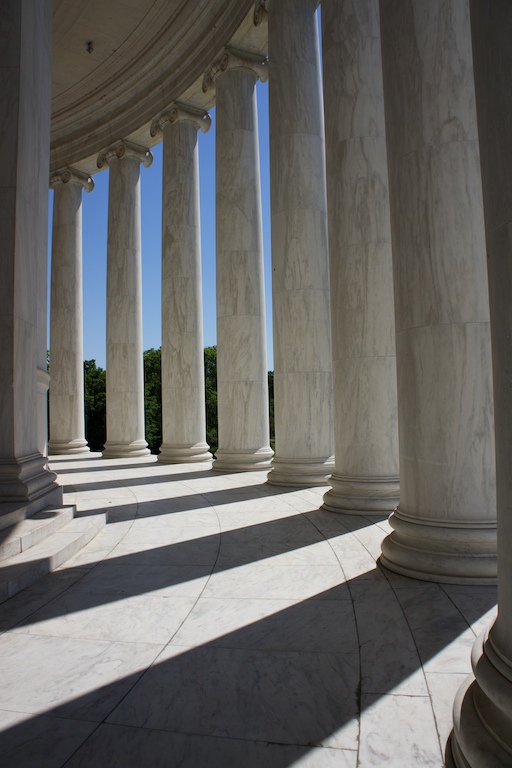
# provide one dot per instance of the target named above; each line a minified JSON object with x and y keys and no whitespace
{"x":95,"y":216}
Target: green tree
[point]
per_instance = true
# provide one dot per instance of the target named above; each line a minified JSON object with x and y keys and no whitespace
{"x":210,"y":386}
{"x":271,"y":409}
{"x":95,"y":405}
{"x":153,"y":398}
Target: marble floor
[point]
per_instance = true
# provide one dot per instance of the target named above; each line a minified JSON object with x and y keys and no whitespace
{"x":219,"y":622}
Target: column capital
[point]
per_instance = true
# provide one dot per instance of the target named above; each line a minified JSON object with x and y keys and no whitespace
{"x":125,"y":148}
{"x":178,"y":113}
{"x":260,"y":11}
{"x":232,"y":58}
{"x":72,"y":176}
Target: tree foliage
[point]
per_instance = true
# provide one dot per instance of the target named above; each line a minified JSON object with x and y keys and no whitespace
{"x":95,"y":400}
{"x":95,"y":384}
{"x":210,"y":387}
{"x":153,"y":398}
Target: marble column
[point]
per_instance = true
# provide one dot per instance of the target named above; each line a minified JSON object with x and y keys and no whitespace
{"x":183,"y":395}
{"x":26,"y":485}
{"x":125,"y":372}
{"x":483,"y":708}
{"x":67,"y":428}
{"x":242,"y":387}
{"x":300,"y":290}
{"x":365,"y":477}
{"x":445,"y":524}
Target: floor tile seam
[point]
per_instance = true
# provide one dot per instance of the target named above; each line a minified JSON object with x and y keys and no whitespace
{"x":425,"y":696}
{"x":51,"y":714}
{"x":470,"y":626}
{"x":215,"y":645}
{"x":162,"y":649}
{"x":79,"y":747}
{"x":81,"y":638}
{"x":201,"y":735}
{"x":442,"y":746}
{"x":358,"y":639}
{"x":295,"y":601}
{"x":419,"y":656}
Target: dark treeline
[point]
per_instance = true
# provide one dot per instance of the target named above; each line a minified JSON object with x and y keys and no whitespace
{"x":95,"y":400}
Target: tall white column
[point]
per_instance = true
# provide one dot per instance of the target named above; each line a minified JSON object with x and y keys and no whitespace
{"x":365,"y":477}
{"x":483,"y":707}
{"x":67,"y":428}
{"x":26,"y":485}
{"x":125,"y":371}
{"x":302,"y":333}
{"x":445,"y":524}
{"x":242,"y":387}
{"x":183,"y":395}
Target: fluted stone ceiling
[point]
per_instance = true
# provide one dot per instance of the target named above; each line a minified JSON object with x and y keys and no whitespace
{"x":118,"y":63}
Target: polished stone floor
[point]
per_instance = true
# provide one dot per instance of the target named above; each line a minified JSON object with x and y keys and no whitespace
{"x":219,"y":622}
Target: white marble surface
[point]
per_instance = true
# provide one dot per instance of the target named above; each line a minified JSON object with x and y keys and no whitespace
{"x":125,"y":377}
{"x":362,"y":312}
{"x":183,"y":404}
{"x":445,"y":406}
{"x":241,"y":336}
{"x":25,"y":71}
{"x":254,"y":655}
{"x":488,"y":735}
{"x":67,"y":426}
{"x":300,"y":287}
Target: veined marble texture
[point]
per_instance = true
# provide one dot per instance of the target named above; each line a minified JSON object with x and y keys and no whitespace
{"x":183,"y":403}
{"x":223,"y":620}
{"x":361,"y":274}
{"x":301,"y":318}
{"x":67,"y":427}
{"x":447,"y":510}
{"x":125,"y":377}
{"x":241,"y":336}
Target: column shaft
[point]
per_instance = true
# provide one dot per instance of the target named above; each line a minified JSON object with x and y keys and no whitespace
{"x":365,"y":478}
{"x":67,"y":428}
{"x":302,"y":334}
{"x":125,"y":373}
{"x":483,"y":707}
{"x":241,"y":337}
{"x":445,"y":522}
{"x":25,"y":66}
{"x":183,"y":395}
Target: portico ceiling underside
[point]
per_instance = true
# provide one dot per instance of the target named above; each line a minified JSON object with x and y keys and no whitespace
{"x":118,"y":63}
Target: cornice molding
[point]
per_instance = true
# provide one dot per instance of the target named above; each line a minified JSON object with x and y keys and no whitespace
{"x":233,"y":58}
{"x":178,"y":113}
{"x":122,"y":149}
{"x":72,"y":176}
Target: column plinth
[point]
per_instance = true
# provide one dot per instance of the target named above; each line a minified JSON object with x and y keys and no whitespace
{"x":300,"y":280}
{"x":67,"y":428}
{"x":183,"y":395}
{"x":242,"y":386}
{"x":125,"y":371}
{"x":444,"y":526}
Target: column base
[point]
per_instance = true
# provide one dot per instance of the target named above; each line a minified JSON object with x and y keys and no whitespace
{"x":113,"y":450}
{"x":300,"y":473}
{"x":362,"y":495}
{"x":482,"y":712}
{"x":62,"y":447}
{"x":26,"y":486}
{"x":227,"y":460}
{"x":441,"y":551}
{"x":184,"y":454}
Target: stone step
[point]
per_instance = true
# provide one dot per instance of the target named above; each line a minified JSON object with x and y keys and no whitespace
{"x":26,"y":567}
{"x":25,"y":534}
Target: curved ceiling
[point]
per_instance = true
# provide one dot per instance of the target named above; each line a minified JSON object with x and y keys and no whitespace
{"x":118,"y":63}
